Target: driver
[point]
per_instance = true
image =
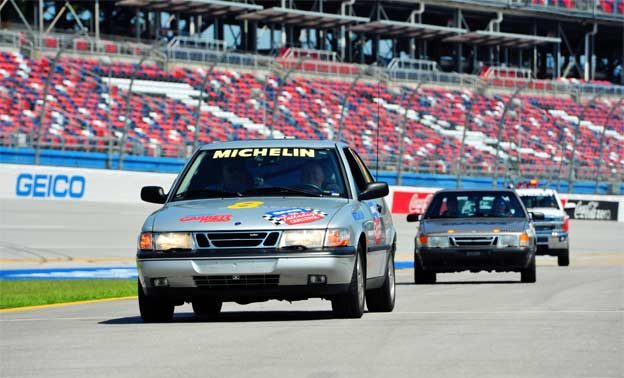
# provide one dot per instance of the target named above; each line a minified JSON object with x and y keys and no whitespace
{"x":313,"y":174}
{"x":235,"y":176}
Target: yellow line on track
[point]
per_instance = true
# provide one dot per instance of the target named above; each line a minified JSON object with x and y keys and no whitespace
{"x":65,"y":304}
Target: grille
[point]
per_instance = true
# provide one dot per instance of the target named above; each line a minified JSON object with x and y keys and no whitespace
{"x":255,"y":281}
{"x":236,"y":239}
{"x":473,"y":241}
{"x":544,"y":227}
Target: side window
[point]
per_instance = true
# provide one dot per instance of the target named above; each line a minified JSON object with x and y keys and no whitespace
{"x":367,"y":175}
{"x":360,"y":180}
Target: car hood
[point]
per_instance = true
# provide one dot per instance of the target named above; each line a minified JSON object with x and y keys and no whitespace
{"x":548,"y":212}
{"x":249,"y":213}
{"x":469,"y":226}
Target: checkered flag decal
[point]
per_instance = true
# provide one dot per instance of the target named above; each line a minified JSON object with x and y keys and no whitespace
{"x":278,"y":220}
{"x":274,"y":220}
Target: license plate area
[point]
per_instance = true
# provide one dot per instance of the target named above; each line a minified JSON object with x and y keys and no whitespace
{"x":250,"y":266}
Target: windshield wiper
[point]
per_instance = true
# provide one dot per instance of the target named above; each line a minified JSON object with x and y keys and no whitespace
{"x":206,"y":193}
{"x":281,"y":190}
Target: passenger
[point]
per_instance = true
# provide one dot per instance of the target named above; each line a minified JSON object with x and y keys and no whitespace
{"x":500,"y":208}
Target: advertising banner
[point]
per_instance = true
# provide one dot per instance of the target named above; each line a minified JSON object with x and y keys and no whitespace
{"x":593,"y":209}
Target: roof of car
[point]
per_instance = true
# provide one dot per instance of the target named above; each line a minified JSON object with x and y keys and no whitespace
{"x":477,"y":190}
{"x":271,"y":143}
{"x":535,"y":191}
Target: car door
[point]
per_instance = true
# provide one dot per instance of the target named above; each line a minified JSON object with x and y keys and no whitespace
{"x":377,"y":218}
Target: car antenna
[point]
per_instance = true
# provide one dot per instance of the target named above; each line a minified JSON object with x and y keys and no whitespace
{"x":378,"y":123}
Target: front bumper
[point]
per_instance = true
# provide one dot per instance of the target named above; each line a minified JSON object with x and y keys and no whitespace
{"x":551,"y":241}
{"x":247,"y":277}
{"x":457,"y":260}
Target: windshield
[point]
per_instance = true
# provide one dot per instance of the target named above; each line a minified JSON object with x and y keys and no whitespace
{"x":474,"y":205}
{"x":544,"y":201}
{"x":244,"y":172}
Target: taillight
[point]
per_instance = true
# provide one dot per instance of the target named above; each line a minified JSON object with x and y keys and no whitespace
{"x":566,"y":223}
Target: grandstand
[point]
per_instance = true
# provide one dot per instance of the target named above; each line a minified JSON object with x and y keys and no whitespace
{"x":449,"y":67}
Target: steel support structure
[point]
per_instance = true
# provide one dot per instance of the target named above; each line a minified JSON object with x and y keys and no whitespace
{"x":157,"y":44}
{"x":577,"y":129}
{"x":46,"y":89}
{"x":601,"y":142}
{"x":500,"y":128}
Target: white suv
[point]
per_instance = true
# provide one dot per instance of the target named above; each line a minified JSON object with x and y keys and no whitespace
{"x":553,"y":231}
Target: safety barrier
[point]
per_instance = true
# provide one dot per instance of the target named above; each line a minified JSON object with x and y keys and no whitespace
{"x":112,"y":186}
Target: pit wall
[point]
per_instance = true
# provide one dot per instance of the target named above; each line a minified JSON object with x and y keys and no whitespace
{"x":113,"y":186}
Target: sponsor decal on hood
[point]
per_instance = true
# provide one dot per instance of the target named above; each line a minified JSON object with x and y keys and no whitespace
{"x":294,"y":215}
{"x":207,"y":218}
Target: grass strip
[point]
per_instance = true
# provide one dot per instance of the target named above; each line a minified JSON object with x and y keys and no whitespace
{"x":23,"y":293}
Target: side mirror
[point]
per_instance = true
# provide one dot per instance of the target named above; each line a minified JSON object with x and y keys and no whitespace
{"x":153,"y":194}
{"x":570,"y":205}
{"x":413,"y":217}
{"x":536,"y":215}
{"x":374,"y":190}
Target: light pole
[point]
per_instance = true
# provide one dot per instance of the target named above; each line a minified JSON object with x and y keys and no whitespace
{"x":403,"y":128}
{"x":369,"y":70}
{"x":577,"y":129}
{"x":46,"y":88}
{"x":500,"y":127}
{"x":480,"y":92}
{"x":283,"y":80}
{"x":200,"y":99}
{"x":601,"y":143}
{"x":124,"y":135}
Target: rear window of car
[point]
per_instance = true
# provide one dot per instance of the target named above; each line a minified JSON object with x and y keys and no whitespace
{"x":544,"y":201}
{"x":474,"y":205}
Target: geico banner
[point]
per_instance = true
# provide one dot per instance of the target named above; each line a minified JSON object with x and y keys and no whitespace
{"x":76,"y":184}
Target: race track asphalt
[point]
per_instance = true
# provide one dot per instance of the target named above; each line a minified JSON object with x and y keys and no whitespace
{"x":568,"y":324}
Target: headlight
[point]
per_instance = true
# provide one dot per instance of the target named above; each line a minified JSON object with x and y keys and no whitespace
{"x":333,"y":237}
{"x":173,"y":240}
{"x":505,"y":241}
{"x":302,"y":238}
{"x":513,"y":240}
{"x":433,"y":241}
{"x":438,"y":242}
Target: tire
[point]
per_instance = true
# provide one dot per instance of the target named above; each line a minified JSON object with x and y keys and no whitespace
{"x":563,"y":257}
{"x":527,"y":275}
{"x":207,"y":307}
{"x":351,"y":304}
{"x":154,"y":310}
{"x":422,"y":277}
{"x":382,"y":299}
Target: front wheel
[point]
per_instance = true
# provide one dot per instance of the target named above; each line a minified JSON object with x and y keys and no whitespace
{"x":153,"y":309}
{"x":563,"y":257}
{"x":528,"y":274}
{"x":421,"y":276}
{"x":382,"y":299}
{"x":351,"y":304}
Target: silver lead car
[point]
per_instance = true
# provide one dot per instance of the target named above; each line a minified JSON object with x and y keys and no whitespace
{"x":250,"y":221}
